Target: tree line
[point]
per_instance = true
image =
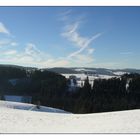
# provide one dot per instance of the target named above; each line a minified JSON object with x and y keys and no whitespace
{"x":105,"y":95}
{"x":51,"y":89}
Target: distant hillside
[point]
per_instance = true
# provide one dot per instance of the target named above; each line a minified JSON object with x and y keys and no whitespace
{"x":16,"y":66}
{"x":100,"y":71}
{"x":79,"y":70}
{"x":63,"y":70}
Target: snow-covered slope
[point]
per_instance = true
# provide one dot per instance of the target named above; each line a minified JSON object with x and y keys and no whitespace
{"x":93,"y":77}
{"x":29,"y":107}
{"x":24,"y":121}
{"x":120,"y":73}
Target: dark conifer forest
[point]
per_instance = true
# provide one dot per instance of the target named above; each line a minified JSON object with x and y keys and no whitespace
{"x":51,"y":89}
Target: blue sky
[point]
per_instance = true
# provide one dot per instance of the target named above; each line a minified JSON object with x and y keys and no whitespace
{"x":43,"y":37}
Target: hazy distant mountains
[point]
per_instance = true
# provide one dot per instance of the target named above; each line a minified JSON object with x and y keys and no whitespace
{"x":101,"y":71}
{"x":79,"y":70}
{"x":16,"y":66}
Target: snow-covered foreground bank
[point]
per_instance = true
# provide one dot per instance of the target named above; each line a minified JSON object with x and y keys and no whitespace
{"x":29,"y":107}
{"x":26,"y":121}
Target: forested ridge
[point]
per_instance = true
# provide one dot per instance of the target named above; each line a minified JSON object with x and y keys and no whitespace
{"x":51,"y":89}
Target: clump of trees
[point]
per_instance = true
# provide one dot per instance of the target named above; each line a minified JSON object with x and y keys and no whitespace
{"x":48,"y":87}
{"x":44,"y":86}
{"x":105,"y":95}
{"x":110,"y":95}
{"x":1,"y":96}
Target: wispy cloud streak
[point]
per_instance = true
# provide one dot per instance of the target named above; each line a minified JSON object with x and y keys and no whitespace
{"x":87,"y":43}
{"x":3,"y":29}
{"x":71,"y":33}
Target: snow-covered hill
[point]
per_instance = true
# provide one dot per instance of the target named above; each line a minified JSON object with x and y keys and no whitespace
{"x":29,"y":107}
{"x":97,"y":71}
{"x":81,"y":78}
{"x":26,"y":121}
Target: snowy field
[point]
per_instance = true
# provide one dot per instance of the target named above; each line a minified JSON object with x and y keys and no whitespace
{"x":81,"y":78}
{"x":84,"y":76}
{"x":29,"y":107}
{"x":13,"y":120}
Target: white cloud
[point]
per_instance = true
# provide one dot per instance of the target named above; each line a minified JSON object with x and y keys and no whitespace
{"x":4,"y":42}
{"x":90,"y":50}
{"x":3,"y":29}
{"x":72,"y":35}
{"x":67,"y":12}
{"x":14,"y":44}
{"x":86,"y":59}
{"x":31,"y":56}
{"x":60,"y":62}
{"x":54,"y":63}
{"x":64,"y":16}
{"x":10,"y":52}
{"x":84,"y":46}
{"x":31,"y":49}
{"x":30,"y":61}
{"x":81,"y":60}
{"x":7,"y":42}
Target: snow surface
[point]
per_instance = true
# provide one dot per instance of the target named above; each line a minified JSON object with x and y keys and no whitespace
{"x":82,"y":69}
{"x":25,"y":121}
{"x":81,"y":78}
{"x":29,"y":107}
{"x":119,"y":73}
{"x":93,"y":77}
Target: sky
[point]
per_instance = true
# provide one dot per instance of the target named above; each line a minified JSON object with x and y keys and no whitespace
{"x":101,"y":37}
